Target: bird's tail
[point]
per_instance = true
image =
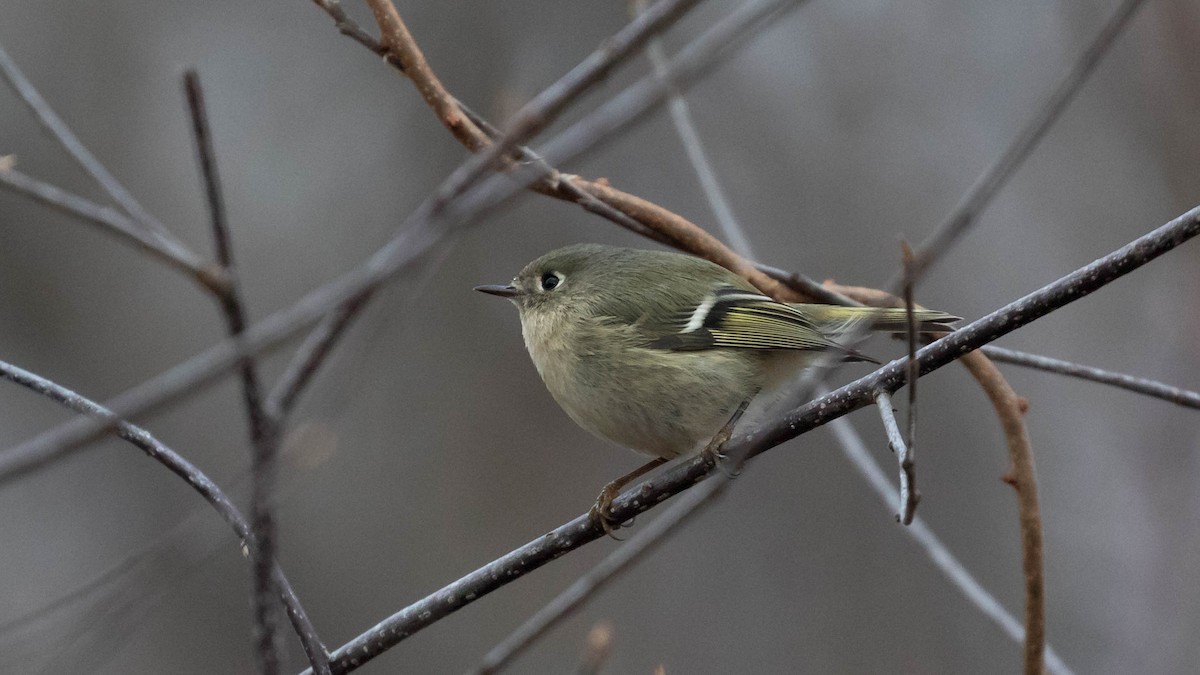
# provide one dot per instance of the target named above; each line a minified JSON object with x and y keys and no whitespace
{"x":835,"y":320}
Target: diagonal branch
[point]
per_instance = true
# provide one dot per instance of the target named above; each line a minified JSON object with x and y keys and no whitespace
{"x":211,"y":277}
{"x":968,"y":210}
{"x":150,"y":233}
{"x":178,"y":465}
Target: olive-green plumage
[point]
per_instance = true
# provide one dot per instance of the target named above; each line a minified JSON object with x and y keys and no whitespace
{"x":656,"y":350}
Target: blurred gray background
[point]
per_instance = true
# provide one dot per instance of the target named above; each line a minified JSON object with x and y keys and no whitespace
{"x":428,"y":446}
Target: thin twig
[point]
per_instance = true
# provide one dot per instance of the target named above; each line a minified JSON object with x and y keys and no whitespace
{"x":689,"y":137}
{"x":311,"y":353}
{"x":545,"y":108}
{"x":861,"y":458}
{"x":1140,"y":385}
{"x":1011,"y":410}
{"x":815,"y":413}
{"x":349,"y":27}
{"x":912,"y":335}
{"x":264,"y":434}
{"x":151,"y":233}
{"x":176,"y":464}
{"x":909,"y":496}
{"x":209,"y":276}
{"x":66,"y":138}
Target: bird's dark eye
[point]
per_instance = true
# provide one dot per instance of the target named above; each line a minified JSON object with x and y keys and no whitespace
{"x":550,"y":280}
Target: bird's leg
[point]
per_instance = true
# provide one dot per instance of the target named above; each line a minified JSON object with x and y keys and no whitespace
{"x":712,"y":452}
{"x":601,"y":511}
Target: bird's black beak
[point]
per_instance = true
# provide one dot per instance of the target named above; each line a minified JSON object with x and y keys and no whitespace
{"x":496,"y":289}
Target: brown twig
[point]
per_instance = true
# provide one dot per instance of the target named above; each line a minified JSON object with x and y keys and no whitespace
{"x":1011,"y":409}
{"x":671,"y":227}
{"x":398,"y":43}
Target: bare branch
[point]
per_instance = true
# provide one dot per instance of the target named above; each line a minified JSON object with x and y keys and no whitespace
{"x":968,"y":210}
{"x":861,"y":458}
{"x":211,"y":277}
{"x":909,"y":496}
{"x":685,"y":128}
{"x":1011,"y":408}
{"x":549,"y":104}
{"x":263,"y":429}
{"x":815,"y":413}
{"x":596,"y":578}
{"x":176,"y":464}
{"x":1140,"y":385}
{"x":150,"y":233}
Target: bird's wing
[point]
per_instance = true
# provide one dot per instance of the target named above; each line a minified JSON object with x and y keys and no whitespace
{"x":735,"y":318}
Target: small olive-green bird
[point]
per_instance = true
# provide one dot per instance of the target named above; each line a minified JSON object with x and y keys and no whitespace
{"x":655,"y":351}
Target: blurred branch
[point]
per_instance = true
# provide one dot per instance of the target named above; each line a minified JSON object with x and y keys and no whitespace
{"x":908,"y":475}
{"x":856,"y":451}
{"x":1140,"y":385}
{"x":544,"y":108}
{"x":211,"y":277}
{"x":264,"y":431}
{"x":144,"y":229}
{"x":964,"y":215}
{"x":815,"y":413}
{"x":176,"y":464}
{"x":689,"y":137}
